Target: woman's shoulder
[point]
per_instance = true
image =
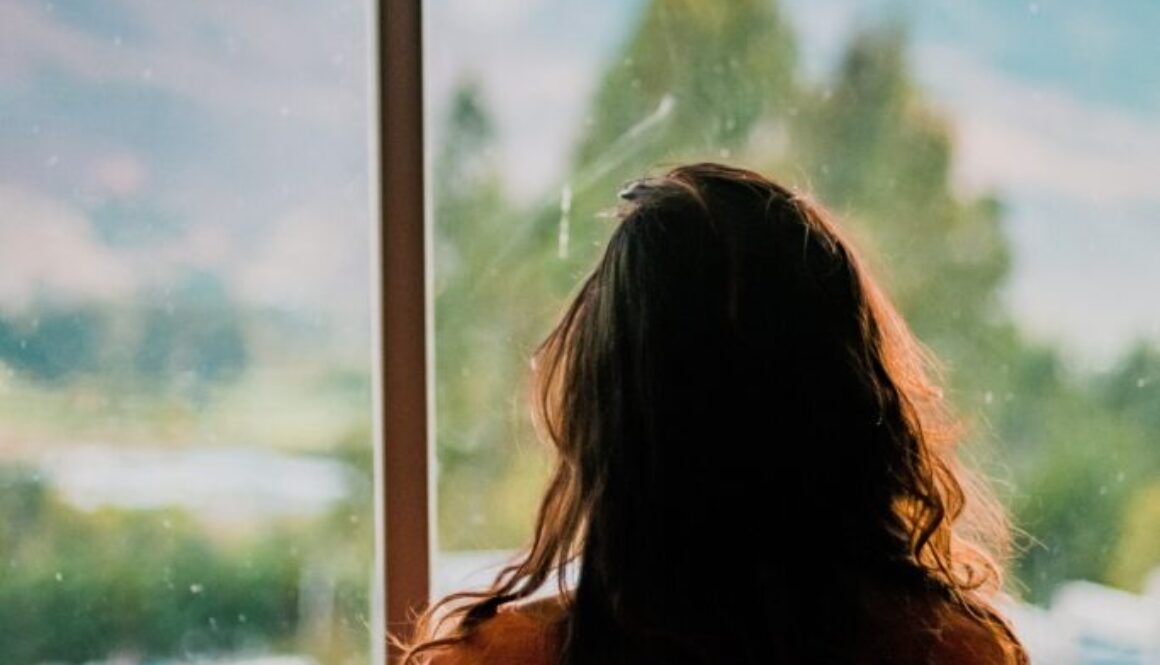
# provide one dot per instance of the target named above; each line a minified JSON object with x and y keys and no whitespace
{"x":904,"y":629}
{"x":963,"y":639}
{"x":524,"y":634}
{"x":931,"y":628}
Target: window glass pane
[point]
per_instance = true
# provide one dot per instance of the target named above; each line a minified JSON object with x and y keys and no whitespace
{"x":992,"y":159}
{"x":185,"y":345}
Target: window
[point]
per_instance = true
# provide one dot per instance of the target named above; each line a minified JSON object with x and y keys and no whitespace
{"x":186,"y":408}
{"x":188,"y":291}
{"x":989,"y":157}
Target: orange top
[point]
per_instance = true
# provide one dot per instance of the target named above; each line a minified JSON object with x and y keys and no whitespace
{"x":525,"y":635}
{"x":529,"y":635}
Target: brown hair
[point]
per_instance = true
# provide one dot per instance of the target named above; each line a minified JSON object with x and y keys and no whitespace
{"x":729,"y":376}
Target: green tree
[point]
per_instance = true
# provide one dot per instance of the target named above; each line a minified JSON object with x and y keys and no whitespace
{"x":486,"y":292}
{"x":193,"y":333}
{"x":872,"y":148}
{"x":1137,"y":555}
{"x":694,"y":80}
{"x":53,"y":342}
{"x":79,"y":586}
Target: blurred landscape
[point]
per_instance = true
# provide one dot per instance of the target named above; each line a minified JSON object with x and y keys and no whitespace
{"x":185,"y":287}
{"x":185,"y":333}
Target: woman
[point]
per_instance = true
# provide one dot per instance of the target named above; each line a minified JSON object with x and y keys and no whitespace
{"x":753,"y":464}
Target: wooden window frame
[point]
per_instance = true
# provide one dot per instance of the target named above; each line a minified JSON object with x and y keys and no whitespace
{"x":405,"y":460}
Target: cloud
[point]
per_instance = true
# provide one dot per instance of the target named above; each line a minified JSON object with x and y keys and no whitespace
{"x":240,"y":58}
{"x":220,"y":119}
{"x":1083,"y":203}
{"x":823,"y":30}
{"x":492,"y":13}
{"x":121,"y":175}
{"x":1085,"y":274}
{"x":1016,"y":135}
{"x":308,"y":259}
{"x":49,"y":250}
{"x":536,"y":84}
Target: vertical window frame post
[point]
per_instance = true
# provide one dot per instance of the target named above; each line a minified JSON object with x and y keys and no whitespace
{"x":406,"y":528}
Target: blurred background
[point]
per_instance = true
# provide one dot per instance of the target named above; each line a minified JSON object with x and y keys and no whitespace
{"x":993,"y":159}
{"x":185,"y":333}
{"x":185,"y":279}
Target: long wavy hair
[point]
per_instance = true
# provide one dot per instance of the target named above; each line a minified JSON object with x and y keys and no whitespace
{"x":749,"y":441}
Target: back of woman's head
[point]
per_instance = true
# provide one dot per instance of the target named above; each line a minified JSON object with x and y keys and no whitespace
{"x":746,"y":437}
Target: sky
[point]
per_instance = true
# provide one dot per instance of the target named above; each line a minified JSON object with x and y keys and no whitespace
{"x":141,"y":139}
{"x":1055,"y":107}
